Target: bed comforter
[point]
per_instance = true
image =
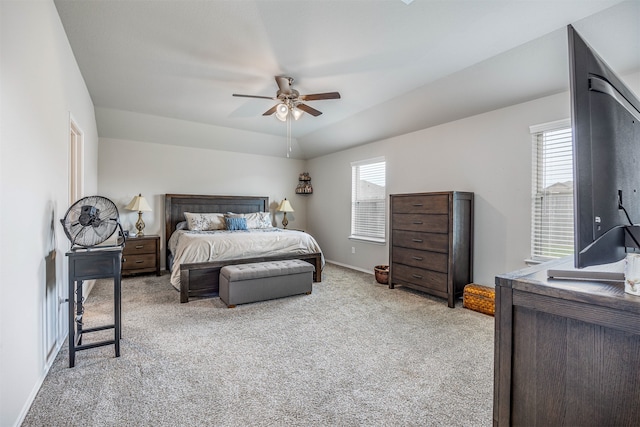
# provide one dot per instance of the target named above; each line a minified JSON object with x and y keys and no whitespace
{"x":206,"y":246}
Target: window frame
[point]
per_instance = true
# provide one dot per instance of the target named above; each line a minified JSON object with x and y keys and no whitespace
{"x":379,"y":223}
{"x":551,"y":237}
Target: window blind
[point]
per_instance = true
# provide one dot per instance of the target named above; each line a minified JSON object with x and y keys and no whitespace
{"x":552,"y":193}
{"x":368,"y":199}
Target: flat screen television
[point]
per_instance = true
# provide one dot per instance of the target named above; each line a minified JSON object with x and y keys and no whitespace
{"x":605,"y":116}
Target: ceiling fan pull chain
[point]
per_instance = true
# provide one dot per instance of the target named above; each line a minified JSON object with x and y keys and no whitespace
{"x":288,"y":135}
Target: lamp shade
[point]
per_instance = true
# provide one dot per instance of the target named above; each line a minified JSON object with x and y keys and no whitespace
{"x":297,"y":113}
{"x":139,"y":204}
{"x":285,"y":206}
{"x":281,"y":112}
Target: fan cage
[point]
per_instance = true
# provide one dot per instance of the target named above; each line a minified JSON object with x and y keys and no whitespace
{"x":91,"y":221}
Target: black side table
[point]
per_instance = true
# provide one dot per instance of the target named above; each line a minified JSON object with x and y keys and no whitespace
{"x":85,"y":264}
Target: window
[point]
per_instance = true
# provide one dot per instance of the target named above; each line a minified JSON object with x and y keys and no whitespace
{"x":368,"y":200}
{"x":552,"y":191}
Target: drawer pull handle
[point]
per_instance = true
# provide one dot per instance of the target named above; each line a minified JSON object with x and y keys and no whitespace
{"x":139,"y":261}
{"x":418,"y":258}
{"x":417,"y":240}
{"x":139,"y":246}
{"x":418,"y":222}
{"x":417,"y":276}
{"x":417,"y":204}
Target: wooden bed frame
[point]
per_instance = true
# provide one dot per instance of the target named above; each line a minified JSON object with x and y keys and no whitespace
{"x":202,"y":279}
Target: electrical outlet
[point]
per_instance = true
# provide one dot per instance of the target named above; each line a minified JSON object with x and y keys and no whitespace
{"x":353,"y":250}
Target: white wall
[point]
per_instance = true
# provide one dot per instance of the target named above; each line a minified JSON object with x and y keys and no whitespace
{"x":488,"y":154}
{"x":41,"y":86}
{"x":127,"y":168}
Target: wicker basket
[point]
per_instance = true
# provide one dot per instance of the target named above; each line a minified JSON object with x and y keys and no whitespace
{"x":382,"y":274}
{"x":479,"y":298}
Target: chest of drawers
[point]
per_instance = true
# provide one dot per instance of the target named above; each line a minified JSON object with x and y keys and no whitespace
{"x":141,"y":255}
{"x":431,"y":242}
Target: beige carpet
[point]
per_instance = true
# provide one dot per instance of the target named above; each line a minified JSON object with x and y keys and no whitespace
{"x":352,"y":353}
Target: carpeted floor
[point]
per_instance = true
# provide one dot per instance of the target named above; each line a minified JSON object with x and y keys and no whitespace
{"x":352,"y":353}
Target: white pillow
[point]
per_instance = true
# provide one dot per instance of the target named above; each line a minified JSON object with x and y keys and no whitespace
{"x":258,"y":220}
{"x":255,"y":219}
{"x":205,"y":221}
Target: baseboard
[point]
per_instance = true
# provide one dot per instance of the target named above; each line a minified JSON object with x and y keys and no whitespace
{"x":36,"y":387}
{"x":350,"y":266}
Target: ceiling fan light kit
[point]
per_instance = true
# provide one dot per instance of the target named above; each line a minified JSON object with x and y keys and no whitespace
{"x":284,"y":110}
{"x":290,"y":103}
{"x":291,"y":100}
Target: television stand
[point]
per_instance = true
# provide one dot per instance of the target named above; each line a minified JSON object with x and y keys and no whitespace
{"x":566,"y":351}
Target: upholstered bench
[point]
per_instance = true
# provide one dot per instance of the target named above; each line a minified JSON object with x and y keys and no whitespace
{"x":261,"y":281}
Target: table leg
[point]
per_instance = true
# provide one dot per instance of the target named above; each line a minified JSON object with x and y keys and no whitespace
{"x":72,"y":333}
{"x":79,"y":311}
{"x":117,"y":316}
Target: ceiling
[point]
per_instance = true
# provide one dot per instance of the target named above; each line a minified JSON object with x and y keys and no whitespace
{"x":399,"y":67}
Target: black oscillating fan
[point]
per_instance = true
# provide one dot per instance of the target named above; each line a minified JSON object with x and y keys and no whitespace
{"x":91,"y":221}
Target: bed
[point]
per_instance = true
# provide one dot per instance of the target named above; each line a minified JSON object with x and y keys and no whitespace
{"x":201,"y":278}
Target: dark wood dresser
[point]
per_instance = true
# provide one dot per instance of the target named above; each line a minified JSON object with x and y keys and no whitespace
{"x":141,"y":255}
{"x":567,"y":352}
{"x":431,"y":242}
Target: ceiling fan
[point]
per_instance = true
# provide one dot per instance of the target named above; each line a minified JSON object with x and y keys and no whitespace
{"x":290,"y":100}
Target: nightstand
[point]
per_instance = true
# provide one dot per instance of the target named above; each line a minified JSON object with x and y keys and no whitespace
{"x":141,"y":255}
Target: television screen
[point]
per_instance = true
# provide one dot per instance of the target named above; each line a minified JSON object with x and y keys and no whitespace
{"x":605,"y":117}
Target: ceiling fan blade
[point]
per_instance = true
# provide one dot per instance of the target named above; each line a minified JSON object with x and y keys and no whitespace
{"x":319,"y":96}
{"x":309,"y":110}
{"x":254,"y":96}
{"x":284,"y":84}
{"x":270,"y":111}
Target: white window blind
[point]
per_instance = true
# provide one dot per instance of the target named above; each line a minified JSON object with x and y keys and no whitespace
{"x":368,"y":199}
{"x":552,"y":191}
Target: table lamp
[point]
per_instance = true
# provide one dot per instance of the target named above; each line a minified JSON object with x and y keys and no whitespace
{"x":285,"y":207}
{"x":139,"y":204}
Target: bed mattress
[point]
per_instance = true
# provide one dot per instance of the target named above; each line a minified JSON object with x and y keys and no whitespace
{"x":189,"y":247}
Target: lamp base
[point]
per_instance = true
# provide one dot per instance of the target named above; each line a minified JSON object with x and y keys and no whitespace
{"x":140,"y":225}
{"x":285,"y":221}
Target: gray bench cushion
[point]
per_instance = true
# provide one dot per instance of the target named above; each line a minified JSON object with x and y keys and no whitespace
{"x":245,"y":283}
{"x":236,"y":273}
